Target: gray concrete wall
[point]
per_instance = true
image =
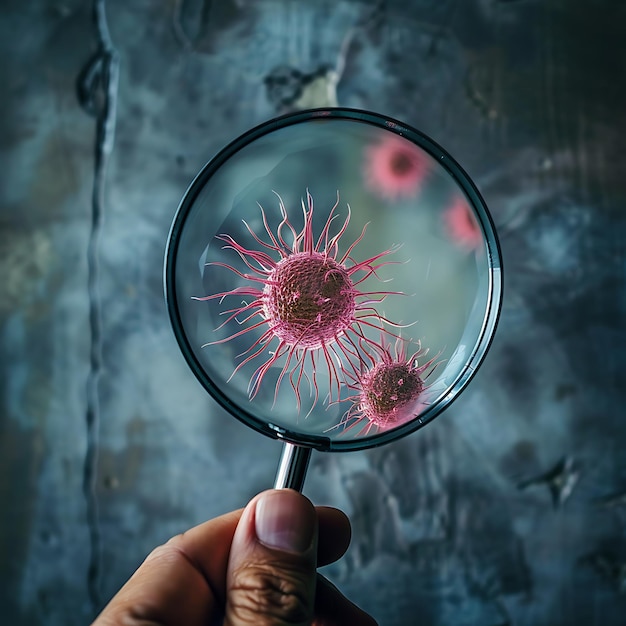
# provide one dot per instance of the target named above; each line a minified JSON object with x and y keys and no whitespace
{"x":510,"y":507}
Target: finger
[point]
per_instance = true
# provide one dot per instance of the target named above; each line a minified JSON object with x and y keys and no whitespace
{"x":334,"y":538}
{"x":273,"y":558}
{"x":334,"y":535}
{"x":332,"y":608}
{"x":171,"y":586}
{"x":209,"y":552}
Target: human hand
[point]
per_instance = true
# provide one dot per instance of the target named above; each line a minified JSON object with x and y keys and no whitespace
{"x":253,"y":566}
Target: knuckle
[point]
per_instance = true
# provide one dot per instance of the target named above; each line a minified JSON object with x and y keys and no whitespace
{"x":166,"y":554}
{"x":267,"y":594}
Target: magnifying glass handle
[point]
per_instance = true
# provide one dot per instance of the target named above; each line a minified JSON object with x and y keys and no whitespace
{"x":292,"y":467}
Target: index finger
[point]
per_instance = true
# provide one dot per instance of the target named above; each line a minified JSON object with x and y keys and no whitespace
{"x":176,"y":584}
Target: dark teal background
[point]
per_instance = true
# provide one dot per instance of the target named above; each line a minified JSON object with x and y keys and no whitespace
{"x":509,"y":509}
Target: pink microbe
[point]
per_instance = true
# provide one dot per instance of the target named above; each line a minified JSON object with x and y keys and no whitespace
{"x":395,"y":168}
{"x":461,"y":224}
{"x":304,"y":299}
{"x":388,"y":392}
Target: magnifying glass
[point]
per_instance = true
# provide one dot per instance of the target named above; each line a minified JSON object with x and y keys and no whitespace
{"x":333,"y":279}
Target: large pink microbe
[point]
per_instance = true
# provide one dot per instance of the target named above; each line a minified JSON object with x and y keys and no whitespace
{"x":304,"y":300}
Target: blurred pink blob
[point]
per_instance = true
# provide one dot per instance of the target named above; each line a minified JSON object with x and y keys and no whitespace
{"x":395,"y":168}
{"x":461,"y":225}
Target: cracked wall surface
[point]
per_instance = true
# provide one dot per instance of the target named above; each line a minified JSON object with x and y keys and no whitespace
{"x":510,"y":508}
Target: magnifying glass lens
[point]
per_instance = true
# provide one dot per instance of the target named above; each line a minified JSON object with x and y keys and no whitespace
{"x":333,"y":279}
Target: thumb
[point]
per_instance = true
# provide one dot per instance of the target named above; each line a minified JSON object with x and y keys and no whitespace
{"x":272,"y":565}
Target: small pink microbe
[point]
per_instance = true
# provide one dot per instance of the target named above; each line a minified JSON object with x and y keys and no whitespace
{"x":388,"y":391}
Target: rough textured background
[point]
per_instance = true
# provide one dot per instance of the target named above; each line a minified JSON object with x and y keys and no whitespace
{"x":510,"y":509}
